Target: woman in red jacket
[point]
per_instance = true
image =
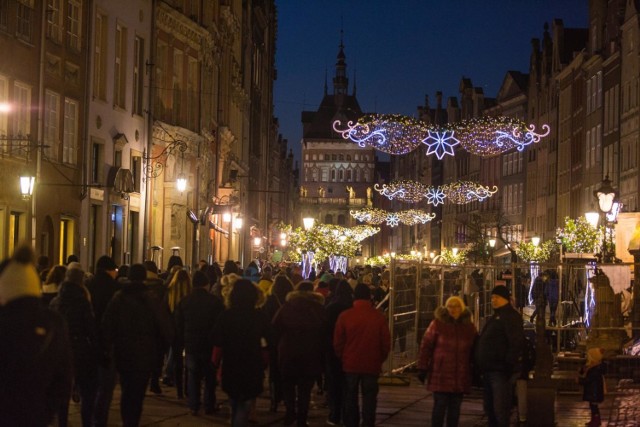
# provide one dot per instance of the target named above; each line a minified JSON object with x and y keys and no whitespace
{"x":445,"y":358}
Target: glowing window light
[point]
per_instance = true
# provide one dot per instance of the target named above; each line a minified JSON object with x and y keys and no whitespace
{"x":440,"y":143}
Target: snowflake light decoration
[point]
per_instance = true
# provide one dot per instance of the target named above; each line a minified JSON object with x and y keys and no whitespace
{"x":440,"y":143}
{"x":393,"y":220}
{"x":435,"y":196}
{"x":462,"y":192}
{"x":403,"y":190}
{"x":390,"y":133}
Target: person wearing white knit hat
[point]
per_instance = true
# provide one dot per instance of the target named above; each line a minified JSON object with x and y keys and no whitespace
{"x":35,"y":355}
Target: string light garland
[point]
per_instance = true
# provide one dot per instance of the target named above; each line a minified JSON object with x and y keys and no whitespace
{"x":462,"y":192}
{"x":484,"y":136}
{"x":403,"y":190}
{"x":390,"y":133}
{"x":392,"y":219}
{"x":459,"y":192}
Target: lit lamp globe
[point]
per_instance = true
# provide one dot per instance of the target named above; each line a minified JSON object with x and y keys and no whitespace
{"x":492,"y":243}
{"x":26,"y":186}
{"x":181,"y":183}
{"x":308,"y":222}
{"x":535,"y":240}
{"x":606,"y":195}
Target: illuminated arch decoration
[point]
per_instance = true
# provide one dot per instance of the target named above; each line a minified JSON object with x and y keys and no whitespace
{"x":462,"y":192}
{"x":484,"y":136}
{"x":403,"y":190}
{"x":488,"y":136}
{"x":392,"y":219}
{"x":390,"y":133}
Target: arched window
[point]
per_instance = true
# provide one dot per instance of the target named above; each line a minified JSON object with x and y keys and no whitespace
{"x":328,"y":219}
{"x":348,"y":157}
{"x":342,"y":220}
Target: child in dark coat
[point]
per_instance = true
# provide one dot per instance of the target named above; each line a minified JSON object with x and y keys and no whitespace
{"x":592,"y":379}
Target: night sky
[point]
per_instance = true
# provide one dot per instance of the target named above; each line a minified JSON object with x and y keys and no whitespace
{"x":402,"y":50}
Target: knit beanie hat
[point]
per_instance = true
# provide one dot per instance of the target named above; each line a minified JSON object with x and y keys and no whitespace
{"x":502,"y":291}
{"x":19,"y":278}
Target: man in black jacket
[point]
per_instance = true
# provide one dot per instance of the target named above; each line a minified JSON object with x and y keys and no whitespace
{"x":102,"y":287}
{"x":135,"y":325}
{"x":499,"y":356}
{"x":195,"y":316}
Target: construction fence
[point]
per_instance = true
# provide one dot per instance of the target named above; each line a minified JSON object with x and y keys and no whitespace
{"x":585,"y":304}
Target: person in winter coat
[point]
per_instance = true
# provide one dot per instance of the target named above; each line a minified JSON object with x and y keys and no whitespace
{"x":299,"y":328}
{"x":135,"y":325}
{"x":592,"y":379}
{"x":35,"y":355}
{"x":335,"y":376}
{"x":73,"y":305}
{"x":552,"y":294}
{"x":102,"y":287}
{"x":240,"y":337}
{"x":445,"y":359}
{"x":195,"y":318}
{"x":498,"y":355}
{"x":52,"y":282}
{"x":179,"y":287}
{"x":279,"y":291}
{"x":362,"y":342}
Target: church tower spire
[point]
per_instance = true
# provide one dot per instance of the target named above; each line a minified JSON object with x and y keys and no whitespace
{"x":340,"y":81}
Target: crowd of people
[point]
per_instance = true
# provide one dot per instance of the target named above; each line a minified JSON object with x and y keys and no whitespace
{"x":71,"y":335}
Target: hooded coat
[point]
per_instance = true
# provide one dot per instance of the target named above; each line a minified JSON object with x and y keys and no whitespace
{"x":300,"y":327}
{"x":446,"y":351}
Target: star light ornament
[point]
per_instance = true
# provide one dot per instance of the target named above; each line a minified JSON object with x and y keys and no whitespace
{"x":440,"y":143}
{"x":393,"y":220}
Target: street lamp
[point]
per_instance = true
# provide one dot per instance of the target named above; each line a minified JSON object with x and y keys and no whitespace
{"x":535,"y":240}
{"x":26,"y":186}
{"x":308,"y":222}
{"x":592,"y":218}
{"x":181,"y":183}
{"x":607,"y":197}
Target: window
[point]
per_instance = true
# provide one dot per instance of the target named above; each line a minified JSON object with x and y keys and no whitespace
{"x":333,"y":174}
{"x":4,"y":98}
{"x":73,"y":24}
{"x":341,"y":157}
{"x":340,"y":175}
{"x":349,"y":175}
{"x":176,"y":84}
{"x":4,"y":13}
{"x":136,"y":172}
{"x":348,"y":157}
{"x":96,"y":162}
{"x":119,"y":72}
{"x":138,"y":83}
{"x":192,"y":93}
{"x":22,"y":114}
{"x":54,"y":20}
{"x":327,"y":157}
{"x":161,"y":68}
{"x":24,"y":20}
{"x":51,"y":124}
{"x":99,"y":58}
{"x":70,"y":139}
{"x":334,"y":157}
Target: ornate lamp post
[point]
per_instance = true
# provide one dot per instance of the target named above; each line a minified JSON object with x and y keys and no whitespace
{"x":606,"y":196}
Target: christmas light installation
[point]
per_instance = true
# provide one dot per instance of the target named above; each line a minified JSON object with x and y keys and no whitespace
{"x":488,"y":136}
{"x":390,"y":133}
{"x":403,"y":190}
{"x":484,"y":136}
{"x":370,"y":215}
{"x":392,"y":219}
{"x":415,"y":216}
{"x":462,"y":192}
